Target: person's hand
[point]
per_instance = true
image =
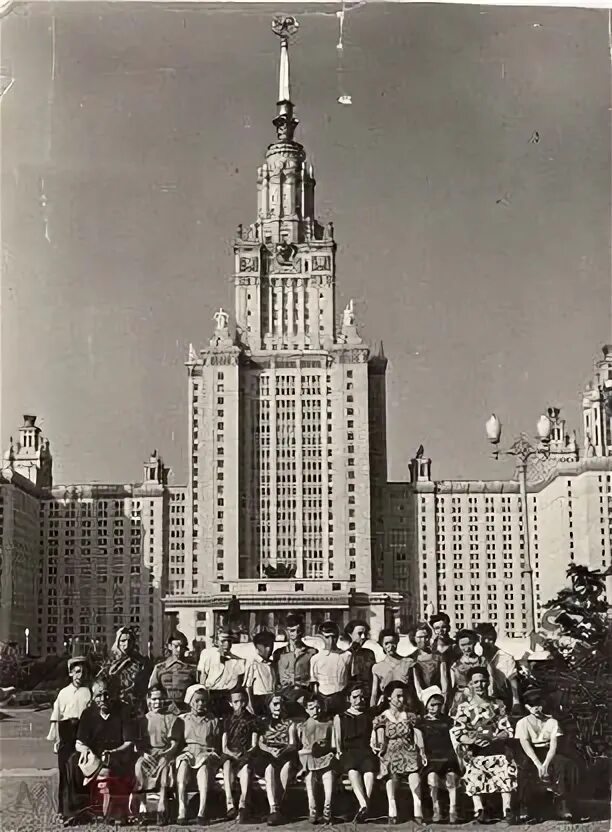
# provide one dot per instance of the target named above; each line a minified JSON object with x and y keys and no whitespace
{"x":56,"y":747}
{"x":276,"y":752}
{"x":149,"y":757}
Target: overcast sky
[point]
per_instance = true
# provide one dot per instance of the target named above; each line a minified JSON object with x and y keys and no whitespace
{"x":469,"y":184}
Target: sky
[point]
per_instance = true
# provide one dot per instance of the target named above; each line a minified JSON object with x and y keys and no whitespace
{"x":468,"y":183}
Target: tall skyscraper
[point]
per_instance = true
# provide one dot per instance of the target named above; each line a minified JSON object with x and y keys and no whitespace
{"x":287,"y":424}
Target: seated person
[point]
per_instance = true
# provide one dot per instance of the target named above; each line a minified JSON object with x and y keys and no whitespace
{"x":105,"y":745}
{"x":238,"y":744}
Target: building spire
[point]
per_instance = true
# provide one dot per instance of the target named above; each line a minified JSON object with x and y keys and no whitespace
{"x":284,"y":122}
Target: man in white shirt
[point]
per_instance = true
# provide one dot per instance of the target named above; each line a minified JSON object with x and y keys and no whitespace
{"x":220,"y":671}
{"x":70,"y":703}
{"x":502,"y":668}
{"x":261,"y":675}
{"x":330,"y":670}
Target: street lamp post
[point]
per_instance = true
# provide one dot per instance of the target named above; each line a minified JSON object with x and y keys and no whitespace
{"x":523,"y":449}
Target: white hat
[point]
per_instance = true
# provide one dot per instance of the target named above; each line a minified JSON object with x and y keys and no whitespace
{"x":191,"y":692}
{"x":426,"y":694}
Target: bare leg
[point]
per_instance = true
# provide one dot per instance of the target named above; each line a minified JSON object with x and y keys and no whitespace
{"x":182,"y":779}
{"x":452,"y":782}
{"x":434,"y":784}
{"x":414,"y":781}
{"x":270,"y":778}
{"x":328,"y":792}
{"x":310,"y":791}
{"x":506,"y":801}
{"x":244,"y":777}
{"x":390,"y":789}
{"x":285,"y":775}
{"x":228,"y":781}
{"x":357,"y":785}
{"x":203,"y":778}
{"x":368,"y":782}
{"x":477,"y":801}
{"x":161,"y":803}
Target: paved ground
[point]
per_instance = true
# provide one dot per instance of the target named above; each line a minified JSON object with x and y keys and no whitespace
{"x":28,"y":788}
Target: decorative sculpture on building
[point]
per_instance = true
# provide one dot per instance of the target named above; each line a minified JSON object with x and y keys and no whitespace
{"x":221,"y":318}
{"x":348,"y":316}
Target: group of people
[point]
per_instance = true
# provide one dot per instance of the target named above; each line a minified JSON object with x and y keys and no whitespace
{"x":439,"y":719}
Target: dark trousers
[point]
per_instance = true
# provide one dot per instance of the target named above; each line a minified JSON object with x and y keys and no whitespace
{"x":67,"y":730}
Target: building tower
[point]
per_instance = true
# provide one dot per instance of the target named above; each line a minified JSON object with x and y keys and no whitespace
{"x":30,"y":456}
{"x":287,"y":421}
{"x":597,"y":408}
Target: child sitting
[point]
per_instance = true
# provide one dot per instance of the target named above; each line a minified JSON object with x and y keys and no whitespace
{"x":399,"y":746}
{"x":198,"y":734}
{"x":353,"y":730}
{"x":237,"y":745}
{"x":276,"y":758}
{"x":317,"y":756}
{"x":442,"y":770}
{"x":261,"y":676}
{"x":157,"y":749}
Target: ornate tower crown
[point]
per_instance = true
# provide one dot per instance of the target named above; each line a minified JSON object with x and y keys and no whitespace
{"x":284,"y":122}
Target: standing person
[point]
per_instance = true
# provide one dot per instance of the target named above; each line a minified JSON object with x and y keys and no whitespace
{"x":293,"y":663}
{"x":460,"y":669}
{"x":357,"y":632}
{"x":68,"y":707}
{"x":317,"y":757}
{"x":174,"y":674}
{"x":482,"y":732}
{"x":261,"y":674}
{"x":330,"y":670}
{"x":276,"y":757}
{"x":501,"y":666}
{"x":238,"y":744}
{"x":442,"y":642}
{"x":393,"y":668}
{"x":442,"y":770}
{"x":399,"y":746}
{"x":198,"y":734}
{"x":353,"y":732}
{"x":105,"y":742}
{"x":541,"y":766}
{"x":156,"y":748}
{"x":220,"y":671}
{"x":429,"y":669}
{"x":127,"y":670}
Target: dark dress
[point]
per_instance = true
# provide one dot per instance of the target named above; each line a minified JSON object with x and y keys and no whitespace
{"x":356,"y":731}
{"x":239,"y":729}
{"x":439,"y":750}
{"x":363,"y":662}
{"x":100,"y":735}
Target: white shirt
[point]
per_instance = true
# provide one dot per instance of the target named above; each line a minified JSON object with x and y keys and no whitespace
{"x":69,"y":704}
{"x":537,"y":731}
{"x":261,"y":676}
{"x":218,"y":673}
{"x":502,"y":668}
{"x":331,"y":669}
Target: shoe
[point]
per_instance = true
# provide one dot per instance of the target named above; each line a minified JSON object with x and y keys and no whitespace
{"x":231,"y":813}
{"x":242,"y":816}
{"x":141,"y":820}
{"x":509,"y":817}
{"x":480,"y":817}
{"x":274,"y":819}
{"x":418,"y":819}
{"x":313,"y":818}
{"x":453,"y":818}
{"x":361,"y":815}
{"x":182,"y":822}
{"x":437,"y":816}
{"x":563,"y":811}
{"x":201,"y":820}
{"x":392,"y":820}
{"x":327,"y":815}
{"x":162,"y":819}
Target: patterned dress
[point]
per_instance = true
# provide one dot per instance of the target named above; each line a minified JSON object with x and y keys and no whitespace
{"x":200,"y":737}
{"x":276,"y":734}
{"x":154,"y":736}
{"x":459,"y":678}
{"x":488,"y":769}
{"x":130,"y":674}
{"x":399,"y":754}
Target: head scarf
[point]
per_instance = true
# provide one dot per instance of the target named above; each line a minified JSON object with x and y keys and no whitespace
{"x":116,"y":652}
{"x":191,"y":692}
{"x":426,"y":694}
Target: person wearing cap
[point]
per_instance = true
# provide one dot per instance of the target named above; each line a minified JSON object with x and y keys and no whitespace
{"x":174,"y":674}
{"x":330,"y":670}
{"x":502,"y":667}
{"x":442,"y":770}
{"x":220,"y":671}
{"x":541,"y":766}
{"x":293,"y":662}
{"x":70,"y":703}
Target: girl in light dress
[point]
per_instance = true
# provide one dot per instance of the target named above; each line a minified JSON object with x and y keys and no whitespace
{"x":198,"y":734}
{"x":157,"y":749}
{"x":353,"y":732}
{"x":317,"y":756}
{"x":399,"y":746}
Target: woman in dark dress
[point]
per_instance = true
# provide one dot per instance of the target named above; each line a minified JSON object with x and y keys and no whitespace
{"x":105,"y":745}
{"x":353,"y":731}
{"x":127,"y":671}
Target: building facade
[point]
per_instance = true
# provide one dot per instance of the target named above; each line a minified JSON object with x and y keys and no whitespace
{"x":288,"y":469}
{"x":461,"y":545}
